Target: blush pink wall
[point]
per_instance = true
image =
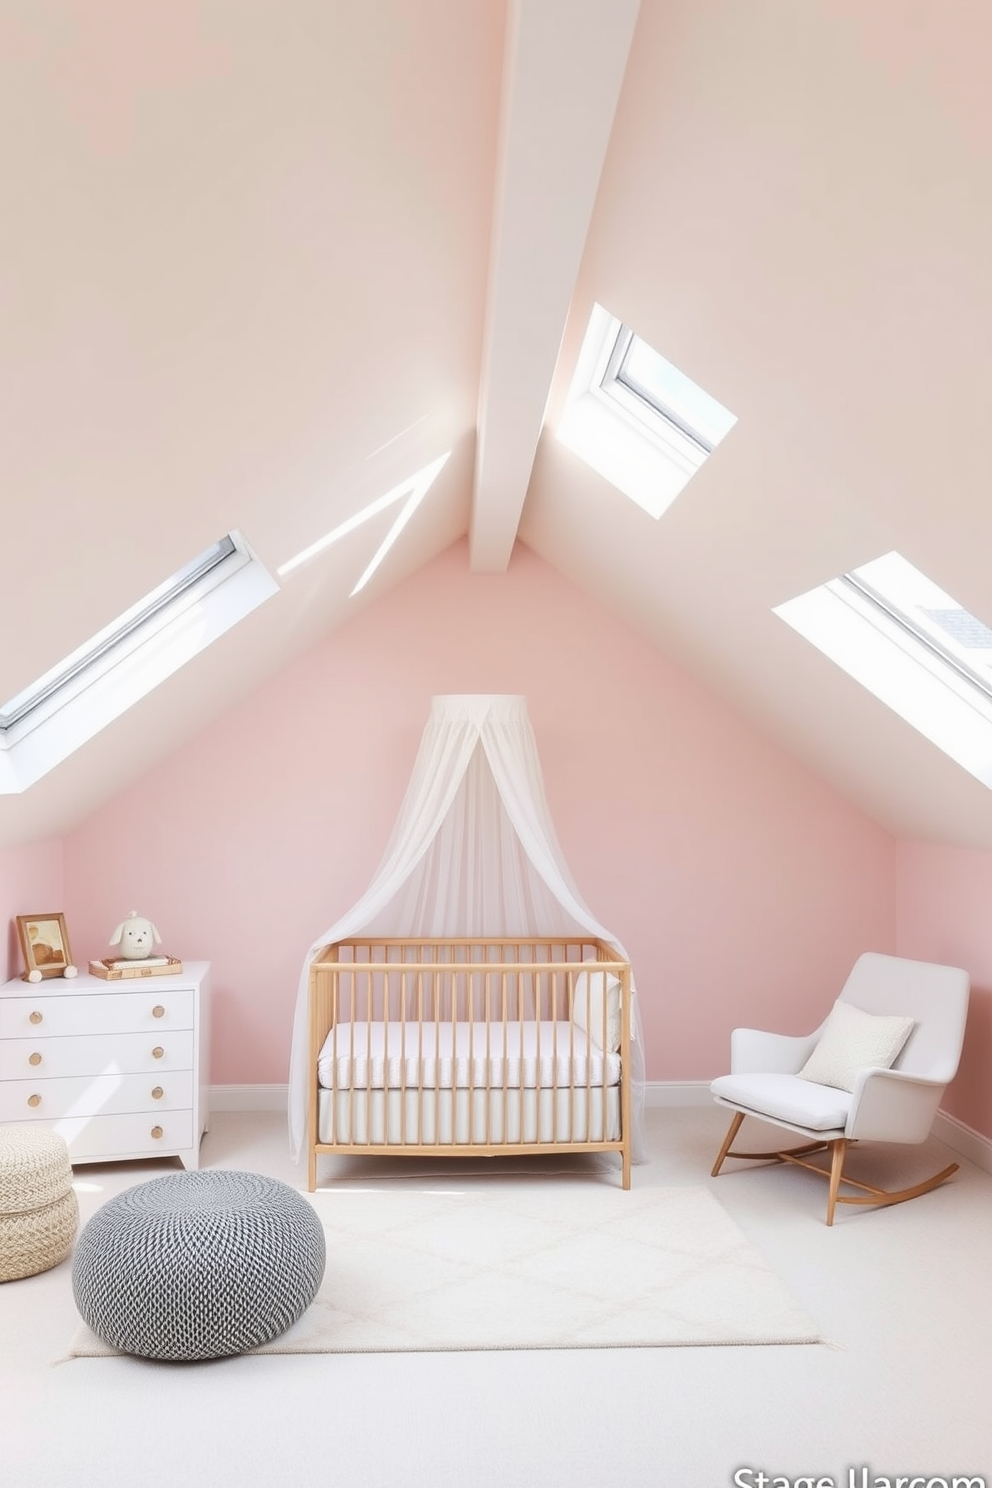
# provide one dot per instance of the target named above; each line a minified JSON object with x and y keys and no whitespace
{"x":30,"y":883}
{"x":742,"y":885}
{"x":942,"y":903}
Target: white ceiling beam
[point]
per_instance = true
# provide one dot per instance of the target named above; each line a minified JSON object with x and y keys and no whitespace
{"x":563,"y":70}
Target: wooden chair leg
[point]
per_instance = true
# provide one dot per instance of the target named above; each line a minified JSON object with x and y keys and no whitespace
{"x":735,"y":1127}
{"x":838,"y":1151}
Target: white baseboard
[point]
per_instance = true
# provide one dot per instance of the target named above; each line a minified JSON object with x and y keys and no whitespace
{"x":962,"y":1139}
{"x":249,"y":1097}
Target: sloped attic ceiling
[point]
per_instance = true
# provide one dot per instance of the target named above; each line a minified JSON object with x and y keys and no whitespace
{"x":262,"y":263}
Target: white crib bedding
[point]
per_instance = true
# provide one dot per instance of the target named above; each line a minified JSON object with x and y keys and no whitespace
{"x":463,"y":1056}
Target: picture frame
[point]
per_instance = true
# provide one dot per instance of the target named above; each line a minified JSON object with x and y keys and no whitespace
{"x":44,"y":945}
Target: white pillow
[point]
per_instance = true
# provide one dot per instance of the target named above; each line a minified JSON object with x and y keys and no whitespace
{"x":587,"y":1007}
{"x":853,"y":1040}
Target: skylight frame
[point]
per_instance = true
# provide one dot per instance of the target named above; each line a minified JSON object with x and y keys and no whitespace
{"x":928,"y":649}
{"x":862,"y":627}
{"x":618,"y":382}
{"x":49,"y":720}
{"x":114,"y":639}
{"x":635,"y":439}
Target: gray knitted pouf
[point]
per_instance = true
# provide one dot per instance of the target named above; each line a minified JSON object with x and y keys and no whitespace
{"x":198,"y":1265}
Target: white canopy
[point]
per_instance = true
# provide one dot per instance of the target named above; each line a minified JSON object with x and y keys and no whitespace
{"x":474,"y":853}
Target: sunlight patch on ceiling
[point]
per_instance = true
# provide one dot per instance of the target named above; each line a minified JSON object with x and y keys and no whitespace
{"x":414,"y":488}
{"x":920,"y":652}
{"x":635,"y":418}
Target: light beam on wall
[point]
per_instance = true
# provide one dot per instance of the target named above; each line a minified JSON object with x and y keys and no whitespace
{"x":414,"y":488}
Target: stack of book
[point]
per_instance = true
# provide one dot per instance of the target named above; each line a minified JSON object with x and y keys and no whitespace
{"x":116,"y":970}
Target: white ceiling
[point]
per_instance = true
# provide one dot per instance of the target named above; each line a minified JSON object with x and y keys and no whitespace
{"x":261,"y":263}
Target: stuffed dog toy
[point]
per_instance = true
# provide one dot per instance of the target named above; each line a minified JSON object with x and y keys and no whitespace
{"x":136,"y":937}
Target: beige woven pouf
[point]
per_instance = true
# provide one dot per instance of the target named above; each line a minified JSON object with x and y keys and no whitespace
{"x":38,"y":1209}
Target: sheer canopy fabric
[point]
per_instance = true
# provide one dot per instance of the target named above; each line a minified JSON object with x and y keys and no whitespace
{"x":473,"y":852}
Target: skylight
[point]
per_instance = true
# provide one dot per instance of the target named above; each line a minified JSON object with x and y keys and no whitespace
{"x":634,"y":417}
{"x":919,"y":651}
{"x":62,"y":710}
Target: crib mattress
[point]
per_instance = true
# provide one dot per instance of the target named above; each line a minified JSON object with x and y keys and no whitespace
{"x":473,"y":1057}
{"x":480,"y":1118}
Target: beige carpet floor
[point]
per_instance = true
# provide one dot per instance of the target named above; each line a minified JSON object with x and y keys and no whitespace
{"x":557,"y":1263}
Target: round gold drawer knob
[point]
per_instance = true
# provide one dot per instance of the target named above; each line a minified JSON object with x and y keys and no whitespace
{"x":34,"y":1100}
{"x":35,"y":1017}
{"x":34,"y":1058}
{"x":157,"y":1052}
{"x":157,"y":1093}
{"x":156,"y":1131}
{"x":158,"y":1011}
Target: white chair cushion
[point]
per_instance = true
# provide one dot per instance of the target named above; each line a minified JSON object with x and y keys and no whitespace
{"x":786,"y":1098}
{"x":851,"y":1041}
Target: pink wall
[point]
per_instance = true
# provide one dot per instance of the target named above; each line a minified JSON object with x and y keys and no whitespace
{"x":742,"y":885}
{"x":943,"y":899}
{"x":30,"y":883}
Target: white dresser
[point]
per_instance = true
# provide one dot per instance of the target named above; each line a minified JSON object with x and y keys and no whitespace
{"x":119,"y":1069}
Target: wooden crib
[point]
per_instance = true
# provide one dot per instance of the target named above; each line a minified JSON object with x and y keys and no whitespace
{"x":469,"y":1047}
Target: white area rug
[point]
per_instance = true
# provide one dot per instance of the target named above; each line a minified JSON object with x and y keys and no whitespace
{"x":532,"y":1265}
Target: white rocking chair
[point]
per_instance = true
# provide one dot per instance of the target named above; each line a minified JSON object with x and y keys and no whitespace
{"x":896,"y":1104}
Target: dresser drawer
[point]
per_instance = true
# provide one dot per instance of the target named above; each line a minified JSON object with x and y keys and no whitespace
{"x":50,"y":1058}
{"x":94,"y":1095}
{"x":118,"y":1069}
{"x":70,"y":1016}
{"x":109,"y":1138}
